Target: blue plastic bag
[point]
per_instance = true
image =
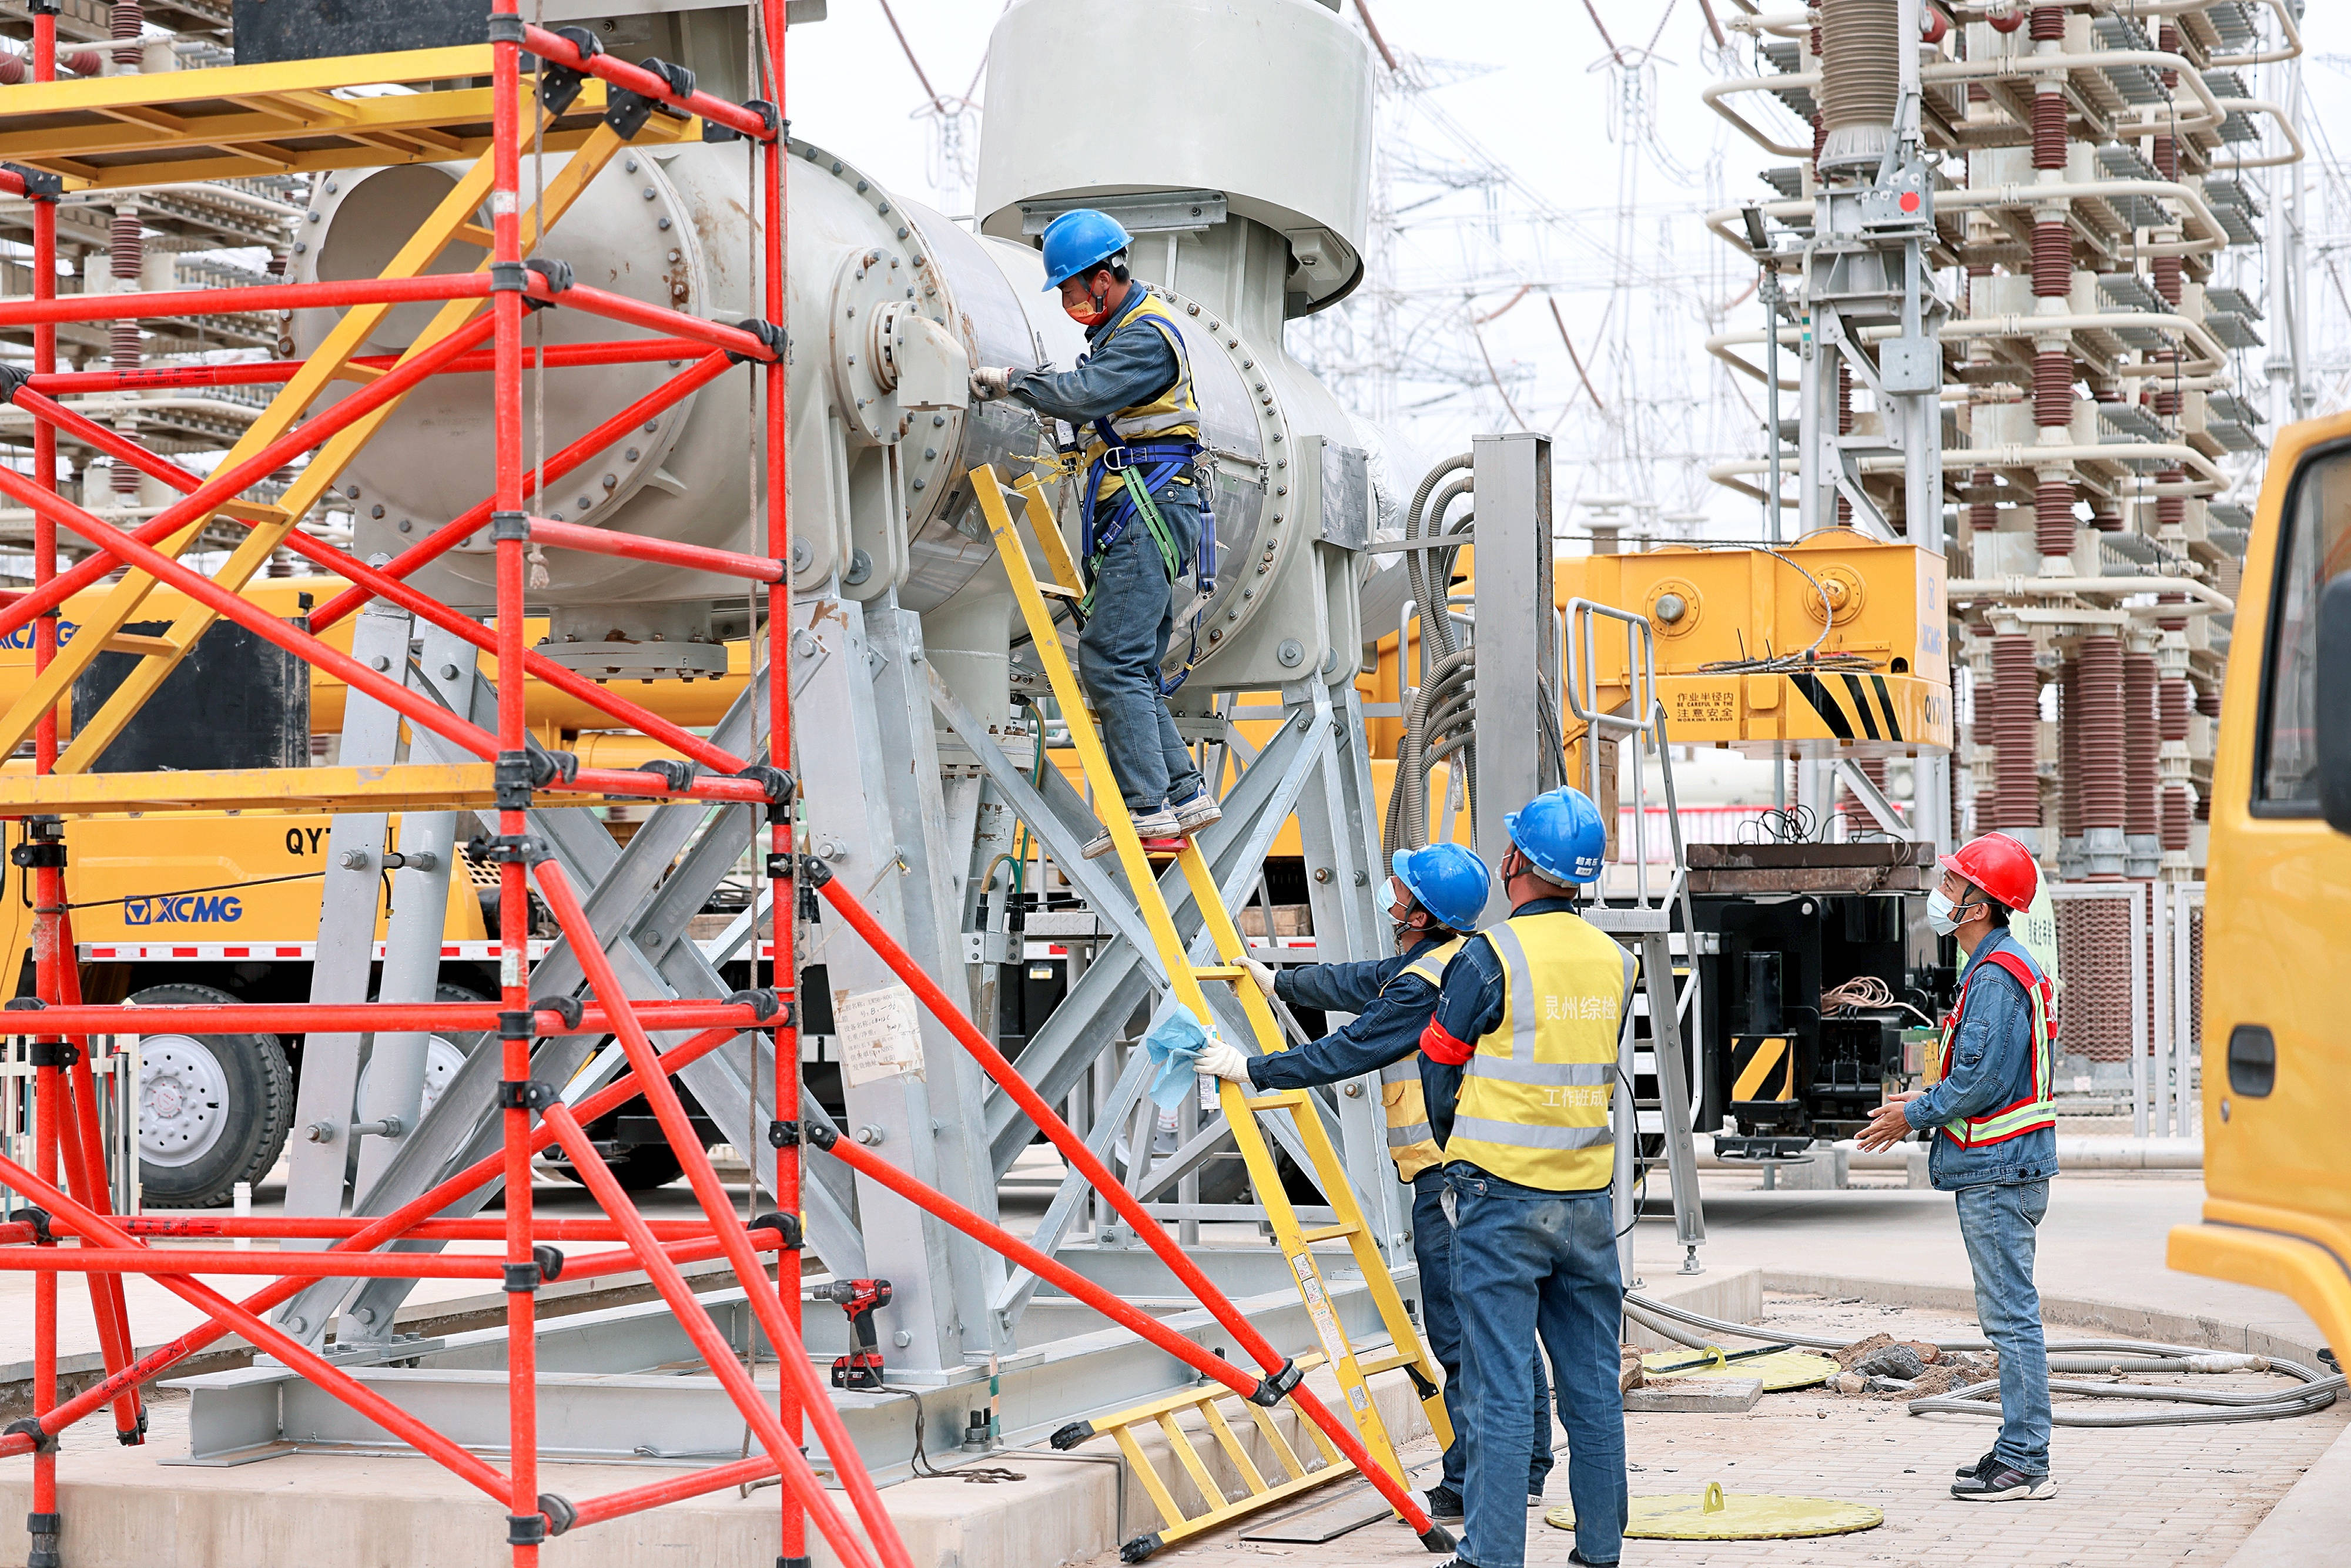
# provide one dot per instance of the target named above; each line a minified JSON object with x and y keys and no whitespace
{"x":1172,"y":1046}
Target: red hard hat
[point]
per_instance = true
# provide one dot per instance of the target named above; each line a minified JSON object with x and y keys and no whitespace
{"x":1999,"y":865}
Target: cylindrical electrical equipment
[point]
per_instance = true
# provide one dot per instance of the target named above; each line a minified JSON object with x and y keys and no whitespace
{"x":2100,"y":758}
{"x":2053,"y":388}
{"x":2069,"y":770}
{"x":2049,"y":126}
{"x":2016,"y":720}
{"x":128,"y":20}
{"x":2048,"y":24}
{"x":2053,"y":260}
{"x":2053,"y":516}
{"x":1860,"y":45}
{"x":2142,"y":814}
{"x":1983,"y":501}
{"x":126,"y":256}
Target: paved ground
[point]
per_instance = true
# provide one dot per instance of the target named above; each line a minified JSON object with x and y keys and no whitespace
{"x":2154,"y":1495}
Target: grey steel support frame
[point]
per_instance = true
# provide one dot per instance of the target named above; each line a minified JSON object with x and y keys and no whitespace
{"x":1516,"y":637}
{"x":870,"y":701}
{"x":1865,"y":267}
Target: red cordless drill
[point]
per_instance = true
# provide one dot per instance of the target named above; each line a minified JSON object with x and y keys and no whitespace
{"x":861,"y":1367}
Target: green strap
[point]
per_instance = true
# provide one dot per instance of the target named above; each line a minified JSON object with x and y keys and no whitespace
{"x":1170,"y":557}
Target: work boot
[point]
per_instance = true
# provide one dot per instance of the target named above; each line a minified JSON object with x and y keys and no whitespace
{"x":1997,"y":1482}
{"x":1444,"y":1504}
{"x":1159,"y":824}
{"x":1964,"y":1471}
{"x":1574,"y":1555}
{"x":1197,"y":813}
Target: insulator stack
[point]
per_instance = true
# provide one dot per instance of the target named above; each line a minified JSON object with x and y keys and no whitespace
{"x":2049,"y":129}
{"x":2141,"y":739}
{"x":1983,"y":503}
{"x":129,"y":16}
{"x":2171,"y":511}
{"x":2053,"y":388}
{"x":2053,"y":260}
{"x":2015,"y":723}
{"x":2178,"y":810}
{"x":2167,"y":278}
{"x":2172,"y":623}
{"x":127,"y":254}
{"x":2207,"y":702}
{"x":2105,"y":517}
{"x":2069,"y":752}
{"x":1820,"y":122}
{"x":2048,"y":24}
{"x":2167,"y":158}
{"x":1857,"y":820}
{"x":2053,"y":517}
{"x":2166,"y":38}
{"x":2099,"y":750}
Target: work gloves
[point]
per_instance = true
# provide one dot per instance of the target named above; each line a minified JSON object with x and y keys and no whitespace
{"x":1221,"y":1060}
{"x":1261,"y":973}
{"x":989,"y":384}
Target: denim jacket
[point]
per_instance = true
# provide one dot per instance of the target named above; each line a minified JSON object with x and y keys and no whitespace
{"x":1990,"y":1065}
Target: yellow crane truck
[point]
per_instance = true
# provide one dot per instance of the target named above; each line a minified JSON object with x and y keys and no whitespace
{"x":2277,"y":921}
{"x":224,"y":907}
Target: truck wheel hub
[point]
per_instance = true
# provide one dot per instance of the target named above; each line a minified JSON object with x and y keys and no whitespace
{"x":183,"y":1100}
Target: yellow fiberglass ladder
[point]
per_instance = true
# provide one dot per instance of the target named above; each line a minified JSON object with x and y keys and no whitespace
{"x":1240,"y":1109}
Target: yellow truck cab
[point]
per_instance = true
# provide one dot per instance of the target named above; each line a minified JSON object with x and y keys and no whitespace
{"x":2277,"y":928}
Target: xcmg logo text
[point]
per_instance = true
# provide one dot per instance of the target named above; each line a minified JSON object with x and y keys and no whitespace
{"x":183,"y":909}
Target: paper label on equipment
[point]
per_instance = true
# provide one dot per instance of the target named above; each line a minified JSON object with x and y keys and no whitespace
{"x":879,"y":1033}
{"x":1318,"y":1307}
{"x":1357,"y":1398}
{"x":511,"y":965}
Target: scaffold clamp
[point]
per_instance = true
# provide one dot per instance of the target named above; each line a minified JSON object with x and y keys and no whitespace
{"x":775,"y":781}
{"x":44,"y":1442}
{"x":678,"y":776}
{"x":783,"y":1135}
{"x":764,"y":1003}
{"x":1273,"y":1389}
{"x":569,"y":1007}
{"x":523,"y":1094}
{"x":560,"y":1514}
{"x":40,"y":184}
{"x":521,"y":849}
{"x":768,"y":332}
{"x":786,"y":1226}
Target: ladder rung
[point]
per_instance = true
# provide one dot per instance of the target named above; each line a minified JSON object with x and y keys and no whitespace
{"x":1219,"y":971}
{"x":1280,"y":1100}
{"x":1329,"y":1232}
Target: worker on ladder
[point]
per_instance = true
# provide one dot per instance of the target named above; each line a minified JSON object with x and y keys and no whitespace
{"x":1143,"y":510}
{"x":1521,"y":1056}
{"x":1999,"y":1144}
{"x":1435,"y":895}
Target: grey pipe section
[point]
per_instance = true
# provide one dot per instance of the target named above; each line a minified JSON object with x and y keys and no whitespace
{"x":2081,"y":1153}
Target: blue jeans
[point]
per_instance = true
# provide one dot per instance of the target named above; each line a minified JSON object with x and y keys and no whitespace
{"x":1432,"y":1248}
{"x":1124,"y":639}
{"x":1997,"y":1221}
{"x":1524,"y":1269}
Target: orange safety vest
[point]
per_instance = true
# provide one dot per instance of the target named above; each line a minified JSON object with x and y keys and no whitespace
{"x":2036,"y":1110}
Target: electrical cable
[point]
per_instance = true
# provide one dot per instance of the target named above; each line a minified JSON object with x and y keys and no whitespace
{"x":2317,"y":1391}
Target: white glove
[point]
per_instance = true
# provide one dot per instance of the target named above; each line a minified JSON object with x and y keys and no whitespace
{"x":989,"y":384}
{"x":1221,"y":1060}
{"x":1261,"y":973}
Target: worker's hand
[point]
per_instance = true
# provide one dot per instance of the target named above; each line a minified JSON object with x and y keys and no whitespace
{"x":1221,"y":1060}
{"x":1889,"y":1126}
{"x":989,"y":382}
{"x":1263,"y":974}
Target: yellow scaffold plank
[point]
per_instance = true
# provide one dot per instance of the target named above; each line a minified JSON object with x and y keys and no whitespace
{"x":113,"y":132}
{"x":403,"y":786}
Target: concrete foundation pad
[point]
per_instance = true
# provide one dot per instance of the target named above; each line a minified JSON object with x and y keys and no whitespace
{"x":1697,"y":1396}
{"x":122,"y":1509}
{"x":2310,"y":1527}
{"x":1734,"y":1295}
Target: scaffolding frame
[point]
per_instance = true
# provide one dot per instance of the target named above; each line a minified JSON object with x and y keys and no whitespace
{"x":65,"y":1183}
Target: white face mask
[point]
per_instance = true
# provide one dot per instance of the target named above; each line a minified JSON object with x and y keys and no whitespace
{"x":1942,"y":914}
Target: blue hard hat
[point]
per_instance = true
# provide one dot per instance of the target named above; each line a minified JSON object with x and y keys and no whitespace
{"x":1079,"y":239}
{"x":1450,"y":881}
{"x":1562,"y":832}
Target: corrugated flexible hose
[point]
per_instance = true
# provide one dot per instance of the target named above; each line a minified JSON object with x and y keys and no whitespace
{"x":2316,"y":1392}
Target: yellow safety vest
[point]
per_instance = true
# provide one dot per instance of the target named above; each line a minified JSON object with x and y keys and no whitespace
{"x":1172,"y":414}
{"x":1411,"y":1142}
{"x":1535,"y":1092}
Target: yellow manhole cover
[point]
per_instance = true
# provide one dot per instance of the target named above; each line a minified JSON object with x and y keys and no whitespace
{"x":1782,"y":1370}
{"x":1717,"y":1515}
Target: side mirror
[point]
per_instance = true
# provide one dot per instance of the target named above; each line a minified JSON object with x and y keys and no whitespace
{"x":2332,"y":715}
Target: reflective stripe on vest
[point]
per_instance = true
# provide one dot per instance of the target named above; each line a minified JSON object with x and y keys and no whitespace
{"x":1174,"y":413}
{"x":1535,"y":1096}
{"x":1412,"y":1142}
{"x":2038,"y":1109}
